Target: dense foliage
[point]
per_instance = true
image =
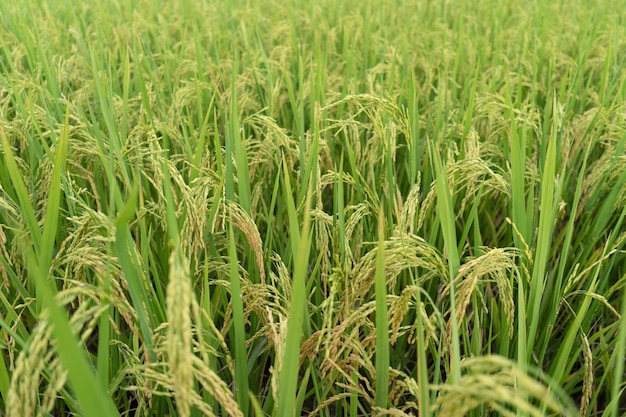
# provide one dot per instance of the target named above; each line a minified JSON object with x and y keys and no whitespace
{"x":379,"y":207}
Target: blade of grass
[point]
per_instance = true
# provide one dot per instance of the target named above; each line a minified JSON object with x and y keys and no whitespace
{"x":446,"y":215}
{"x":288,"y":378}
{"x":239,"y":149}
{"x":104,"y":336}
{"x":92,"y":396}
{"x":239,"y":331}
{"x":22,"y":192}
{"x":546,"y":222}
{"x":4,"y":375}
{"x":422,"y":364}
{"x":562,"y":361}
{"x":51,"y":219}
{"x":618,"y":357}
{"x":201,"y":148}
{"x":518,"y":166}
{"x":125,"y":251}
{"x":382,"y":326}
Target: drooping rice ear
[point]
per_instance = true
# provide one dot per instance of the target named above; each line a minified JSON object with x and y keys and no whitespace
{"x":179,"y":332}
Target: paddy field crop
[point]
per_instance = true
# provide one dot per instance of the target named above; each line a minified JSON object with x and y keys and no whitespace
{"x":266,"y":208}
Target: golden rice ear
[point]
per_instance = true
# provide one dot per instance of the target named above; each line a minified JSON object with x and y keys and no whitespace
{"x":269,"y":144}
{"x":179,"y":333}
{"x":410,"y":210}
{"x":3,"y":251}
{"x":278,"y":335}
{"x":38,"y":368}
{"x":184,"y":368}
{"x":22,"y":396}
{"x":500,"y":385}
{"x":400,"y":306}
{"x":323,"y":224}
{"x":587,"y":392}
{"x":401,"y":252}
{"x":215,"y":387}
{"x":197,"y":199}
{"x":245,"y":223}
{"x":494,"y":265}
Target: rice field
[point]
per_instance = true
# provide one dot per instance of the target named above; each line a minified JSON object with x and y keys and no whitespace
{"x":357,"y":208}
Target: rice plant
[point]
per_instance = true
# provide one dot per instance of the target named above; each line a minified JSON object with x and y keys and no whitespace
{"x":264,"y":208}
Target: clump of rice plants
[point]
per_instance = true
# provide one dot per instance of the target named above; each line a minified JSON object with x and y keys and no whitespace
{"x":260,"y":208}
